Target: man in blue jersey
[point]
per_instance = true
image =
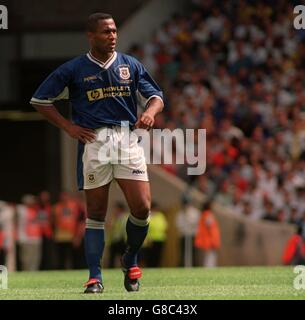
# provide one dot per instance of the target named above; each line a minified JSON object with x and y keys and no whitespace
{"x":102,"y":87}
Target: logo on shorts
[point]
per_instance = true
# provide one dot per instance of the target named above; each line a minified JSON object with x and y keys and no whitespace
{"x":124,"y":73}
{"x":138,"y":172}
{"x":91,"y":177}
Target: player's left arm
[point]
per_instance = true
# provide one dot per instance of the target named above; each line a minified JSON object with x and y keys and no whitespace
{"x":147,"y":118}
{"x":152,"y":92}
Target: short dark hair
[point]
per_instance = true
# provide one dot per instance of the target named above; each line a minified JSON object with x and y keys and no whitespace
{"x":93,"y":19}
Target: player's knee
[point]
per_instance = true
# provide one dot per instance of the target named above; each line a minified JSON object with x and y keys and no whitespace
{"x":96,"y":212}
{"x":142,"y":211}
{"x":96,"y":216}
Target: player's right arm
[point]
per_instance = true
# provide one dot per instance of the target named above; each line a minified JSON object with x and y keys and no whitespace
{"x":55,"y":88}
{"x":53,"y":116}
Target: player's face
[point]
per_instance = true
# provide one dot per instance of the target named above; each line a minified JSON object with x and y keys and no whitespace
{"x":105,"y":37}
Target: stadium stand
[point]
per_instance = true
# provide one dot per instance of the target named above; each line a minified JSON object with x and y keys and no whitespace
{"x":236,"y":70}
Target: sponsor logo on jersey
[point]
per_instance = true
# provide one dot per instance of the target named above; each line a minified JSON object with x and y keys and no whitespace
{"x":90,"y":78}
{"x":108,"y":92}
{"x":95,"y":94}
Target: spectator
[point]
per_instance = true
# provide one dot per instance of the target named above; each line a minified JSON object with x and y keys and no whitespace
{"x":156,"y":237}
{"x":6,"y":233}
{"x":79,"y":259}
{"x":207,"y":238}
{"x":66,"y":217}
{"x":2,"y":249}
{"x":269,"y":213}
{"x":117,"y":232}
{"x":45,"y":218}
{"x":294,"y":220}
{"x":187,"y":221}
{"x":29,"y":233}
{"x":294,"y":252}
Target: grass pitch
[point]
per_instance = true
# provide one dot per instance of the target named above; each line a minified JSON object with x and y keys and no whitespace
{"x":263,"y":283}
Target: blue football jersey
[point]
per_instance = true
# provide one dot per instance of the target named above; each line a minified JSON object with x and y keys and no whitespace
{"x":100,"y":93}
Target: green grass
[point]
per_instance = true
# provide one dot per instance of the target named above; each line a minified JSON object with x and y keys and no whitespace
{"x":158,"y":284}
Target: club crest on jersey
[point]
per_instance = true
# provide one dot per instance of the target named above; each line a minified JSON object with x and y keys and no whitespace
{"x":124,"y":73}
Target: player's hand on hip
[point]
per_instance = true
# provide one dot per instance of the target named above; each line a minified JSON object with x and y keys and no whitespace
{"x":145,"y":121}
{"x":82,"y":134}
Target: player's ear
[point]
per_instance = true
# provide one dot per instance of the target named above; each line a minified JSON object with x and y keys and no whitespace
{"x":90,"y":35}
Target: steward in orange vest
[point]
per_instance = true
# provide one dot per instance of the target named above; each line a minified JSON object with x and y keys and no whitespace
{"x":32,"y":227}
{"x":29,"y":233}
{"x":29,"y":228}
{"x":66,"y":218}
{"x":45,"y":214}
{"x":208,"y":235}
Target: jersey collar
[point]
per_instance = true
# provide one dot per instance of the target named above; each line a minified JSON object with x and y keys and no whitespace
{"x":104,"y":65}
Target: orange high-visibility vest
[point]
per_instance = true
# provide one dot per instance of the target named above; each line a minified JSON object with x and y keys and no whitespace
{"x":208,"y":235}
{"x":45,"y":220}
{"x":66,"y":216}
{"x":32,"y":227}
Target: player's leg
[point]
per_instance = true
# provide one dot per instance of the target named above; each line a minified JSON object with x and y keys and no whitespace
{"x":131,"y":175}
{"x":138,"y":197}
{"x":94,"y":176}
{"x":96,"y":201}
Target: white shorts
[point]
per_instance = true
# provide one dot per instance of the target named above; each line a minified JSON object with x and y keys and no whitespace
{"x":115,"y":154}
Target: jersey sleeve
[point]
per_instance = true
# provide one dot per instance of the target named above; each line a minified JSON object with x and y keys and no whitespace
{"x":54,"y":87}
{"x":147,"y":87}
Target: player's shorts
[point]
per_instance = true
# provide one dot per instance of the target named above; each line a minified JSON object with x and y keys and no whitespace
{"x":115,"y":154}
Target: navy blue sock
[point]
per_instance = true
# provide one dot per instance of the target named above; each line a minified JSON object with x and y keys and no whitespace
{"x":94,"y":247}
{"x":136,"y":233}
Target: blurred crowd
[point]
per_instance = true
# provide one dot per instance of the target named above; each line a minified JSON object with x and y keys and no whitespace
{"x":236,"y":69}
{"x":40,"y":235}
